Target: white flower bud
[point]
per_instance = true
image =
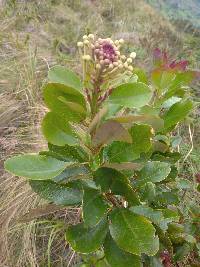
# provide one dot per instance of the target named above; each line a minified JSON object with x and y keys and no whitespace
{"x":86,"y":42}
{"x":126,"y":65}
{"x":115,"y":64}
{"x":123,"y":57}
{"x":85,"y":37}
{"x":80,"y":44}
{"x":91,"y":36}
{"x":117,"y":42}
{"x":130,"y":68}
{"x":86,"y":57}
{"x":129,"y":60}
{"x":121,"y":41}
{"x":133,"y":55}
{"x":117,"y":53}
{"x":111,"y":66}
{"x":102,"y":62}
{"x":98,"y":66}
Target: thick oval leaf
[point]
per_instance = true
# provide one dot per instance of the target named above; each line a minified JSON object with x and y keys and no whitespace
{"x":124,"y":166}
{"x":94,"y":206}
{"x":110,"y":131}
{"x":154,"y":171}
{"x":163,"y":199}
{"x":110,"y":179}
{"x":57,"y":130}
{"x":58,"y":194}
{"x":86,"y":240}
{"x":182,"y":251}
{"x":73,"y":172}
{"x":120,"y":152}
{"x":141,"y":137}
{"x":35,"y":167}
{"x":177,"y":113}
{"x":170,"y":102}
{"x":66,"y":101}
{"x":125,"y":152}
{"x":133,"y":233}
{"x":117,"y":257}
{"x":131,"y":95}
{"x":69,"y":153}
{"x":148,"y":192}
{"x":154,"y":216}
{"x":169,"y":216}
{"x":59,"y":74}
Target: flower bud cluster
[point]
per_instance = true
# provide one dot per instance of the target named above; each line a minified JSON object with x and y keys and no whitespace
{"x":105,"y":55}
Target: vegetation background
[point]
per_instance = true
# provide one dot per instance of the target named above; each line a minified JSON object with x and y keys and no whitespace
{"x":37,"y":34}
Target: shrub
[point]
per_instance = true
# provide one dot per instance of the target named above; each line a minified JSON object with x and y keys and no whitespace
{"x":112,"y":150}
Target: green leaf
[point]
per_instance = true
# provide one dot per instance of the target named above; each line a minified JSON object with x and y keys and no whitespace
{"x":167,"y":198}
{"x":153,"y":171}
{"x":174,"y":228}
{"x":133,"y":233}
{"x":148,"y":191}
{"x":198,"y":187}
{"x":57,"y":130}
{"x":131,"y":95}
{"x":35,"y":167}
{"x":94,"y":206}
{"x":125,"y":152}
{"x":59,"y":74}
{"x":182,"y":79}
{"x":175,"y":140}
{"x":170,"y":157}
{"x":65,"y":101}
{"x":169,"y":216}
{"x":73,"y":172}
{"x":86,"y":240}
{"x":163,"y":79}
{"x":58,"y":194}
{"x":117,"y":257}
{"x":182,"y":251}
{"x":120,"y":152}
{"x":69,"y":153}
{"x":142,"y":76}
{"x":153,"y":215}
{"x":170,"y":102}
{"x":141,"y":135}
{"x":183,"y":184}
{"x":111,"y":179}
{"x":177,"y":113}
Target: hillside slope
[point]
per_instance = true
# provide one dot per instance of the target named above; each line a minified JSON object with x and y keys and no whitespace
{"x":179,"y":9}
